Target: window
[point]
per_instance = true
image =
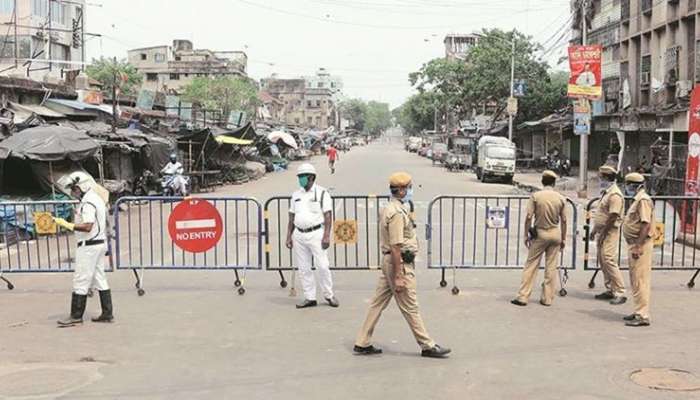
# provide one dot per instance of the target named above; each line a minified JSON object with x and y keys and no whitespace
{"x":40,"y":8}
{"x":178,"y":58}
{"x":60,"y":52}
{"x":7,"y":6}
{"x":333,"y":85}
{"x":174,"y":77}
{"x":309,"y":103}
{"x":144,"y":56}
{"x":318,"y":103}
{"x":159,"y":57}
{"x":320,"y":85}
{"x":310,"y":120}
{"x":296,"y":121}
{"x":151,"y":77}
{"x":58,"y":13}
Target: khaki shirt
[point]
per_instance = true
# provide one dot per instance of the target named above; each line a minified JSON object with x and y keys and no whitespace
{"x":613,"y":202}
{"x":547,"y":207}
{"x":396,"y":228}
{"x":641,"y":211}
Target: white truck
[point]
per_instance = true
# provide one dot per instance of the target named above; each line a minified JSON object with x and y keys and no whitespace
{"x":496,"y":159}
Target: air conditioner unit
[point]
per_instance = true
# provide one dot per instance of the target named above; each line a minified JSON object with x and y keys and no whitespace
{"x":683,"y":89}
{"x":646,"y":78}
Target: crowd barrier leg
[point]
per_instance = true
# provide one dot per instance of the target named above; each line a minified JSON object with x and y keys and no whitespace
{"x":139,"y":281}
{"x":455,"y":289}
{"x":591,"y":283}
{"x":563,"y":279}
{"x":240,"y":283}
{"x":443,"y":282}
{"x":691,"y":284}
{"x":283,"y":282}
{"x":10,"y":286}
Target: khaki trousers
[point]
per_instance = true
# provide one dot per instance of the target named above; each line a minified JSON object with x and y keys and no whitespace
{"x":607,"y":260}
{"x":547,"y":243}
{"x":640,"y":278}
{"x":406,"y":300}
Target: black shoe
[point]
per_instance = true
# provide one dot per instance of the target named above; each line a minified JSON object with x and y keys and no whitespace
{"x":618,"y":300}
{"x":307,"y":304}
{"x":518,"y":303}
{"x":367,"y":351}
{"x":333,"y":302}
{"x":106,"y":303}
{"x":638,"y":321}
{"x":77,"y":309}
{"x":436,"y":352}
{"x":605,"y":296}
{"x":631,"y":317}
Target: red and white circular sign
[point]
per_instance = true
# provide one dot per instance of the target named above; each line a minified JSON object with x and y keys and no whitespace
{"x":195,"y":225}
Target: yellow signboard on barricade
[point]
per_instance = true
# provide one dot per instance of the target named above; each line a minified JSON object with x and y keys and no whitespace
{"x":345,"y":231}
{"x":658,"y":234}
{"x":44,"y":223}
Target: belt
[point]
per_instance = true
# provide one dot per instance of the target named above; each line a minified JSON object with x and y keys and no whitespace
{"x":309,"y":230}
{"x":90,"y":242}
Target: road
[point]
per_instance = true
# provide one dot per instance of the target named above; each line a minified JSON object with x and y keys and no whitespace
{"x":193,"y":337}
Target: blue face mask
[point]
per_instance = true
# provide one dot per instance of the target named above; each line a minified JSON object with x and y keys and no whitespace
{"x":605,"y":185}
{"x":631,"y":190}
{"x":303,"y":181}
{"x":409,"y":195}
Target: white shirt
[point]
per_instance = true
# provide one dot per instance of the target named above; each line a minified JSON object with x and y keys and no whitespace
{"x":92,"y":210}
{"x":309,"y":207}
{"x":586,"y":79}
{"x":173,"y":169}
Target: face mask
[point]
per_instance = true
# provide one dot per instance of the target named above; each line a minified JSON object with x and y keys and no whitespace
{"x":605,"y":185}
{"x":631,"y":190}
{"x":303,"y":181}
{"x":409,"y":195}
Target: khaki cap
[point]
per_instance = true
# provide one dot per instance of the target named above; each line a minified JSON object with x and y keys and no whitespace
{"x":607,"y":169}
{"x":634,"y":177}
{"x":550,"y":174}
{"x":400,"y":179}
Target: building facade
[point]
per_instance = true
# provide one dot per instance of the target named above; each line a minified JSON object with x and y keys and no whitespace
{"x":42,"y":39}
{"x":457,"y":46}
{"x":650,"y":65}
{"x":170,"y":68}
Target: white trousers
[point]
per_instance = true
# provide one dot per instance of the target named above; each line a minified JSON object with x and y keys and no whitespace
{"x":308,"y":247}
{"x":90,"y":269}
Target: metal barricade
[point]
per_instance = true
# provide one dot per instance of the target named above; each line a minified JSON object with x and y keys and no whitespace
{"x":144,"y":239}
{"x":360,"y":213}
{"x":674,"y":250}
{"x":23,"y":249}
{"x":486,"y":232}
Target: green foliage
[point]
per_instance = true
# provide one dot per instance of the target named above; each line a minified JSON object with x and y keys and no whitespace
{"x":484,"y":78}
{"x":105,"y":70}
{"x":369,"y":117}
{"x":223,"y":93}
{"x":417,"y":113}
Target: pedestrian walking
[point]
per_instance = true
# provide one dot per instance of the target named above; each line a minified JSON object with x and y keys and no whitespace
{"x":545,"y":234}
{"x":332,"y":158}
{"x":91,"y":237}
{"x":308,"y":235}
{"x":399,"y":246}
{"x":606,"y":227}
{"x":637,"y":230}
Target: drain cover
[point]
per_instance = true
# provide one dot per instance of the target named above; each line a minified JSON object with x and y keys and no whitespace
{"x":666,"y":379}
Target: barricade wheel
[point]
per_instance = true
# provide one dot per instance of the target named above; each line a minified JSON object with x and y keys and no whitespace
{"x":591,"y":285}
{"x":563,"y":293}
{"x":690,"y":285}
{"x":443,"y":283}
{"x":141,"y":292}
{"x":241,"y":291}
{"x":283,"y":284}
{"x":10,"y":286}
{"x":237,"y":283}
{"x":455,"y":290}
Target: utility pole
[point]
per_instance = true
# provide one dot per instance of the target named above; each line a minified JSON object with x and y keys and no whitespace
{"x":583,"y":162}
{"x":114,"y":96}
{"x":512,"y":83}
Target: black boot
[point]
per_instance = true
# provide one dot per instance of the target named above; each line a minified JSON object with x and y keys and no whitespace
{"x":77,"y":308}
{"x":106,"y":303}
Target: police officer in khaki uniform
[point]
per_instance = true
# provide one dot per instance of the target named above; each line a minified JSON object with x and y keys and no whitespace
{"x":606,"y":227}
{"x":547,"y":236}
{"x":399,"y":246}
{"x":637,"y":229}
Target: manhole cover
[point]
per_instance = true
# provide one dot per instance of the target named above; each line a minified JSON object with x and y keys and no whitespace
{"x":666,"y":379}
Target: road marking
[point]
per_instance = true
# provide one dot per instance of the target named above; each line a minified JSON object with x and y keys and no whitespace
{"x":195,"y":224}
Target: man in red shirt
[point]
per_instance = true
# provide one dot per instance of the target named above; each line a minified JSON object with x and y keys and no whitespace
{"x":332,"y":158}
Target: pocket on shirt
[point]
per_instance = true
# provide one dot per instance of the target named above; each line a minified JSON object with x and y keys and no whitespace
{"x":315,"y":208}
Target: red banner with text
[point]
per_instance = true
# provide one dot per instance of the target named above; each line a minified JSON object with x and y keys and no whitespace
{"x":585,"y":80}
{"x":690,"y":209}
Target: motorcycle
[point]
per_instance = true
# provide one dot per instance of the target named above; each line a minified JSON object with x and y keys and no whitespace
{"x":558,"y":164}
{"x":170,"y":189}
{"x":453,"y":163}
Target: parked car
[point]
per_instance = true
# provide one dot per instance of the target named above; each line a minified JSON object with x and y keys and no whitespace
{"x":439,"y":151}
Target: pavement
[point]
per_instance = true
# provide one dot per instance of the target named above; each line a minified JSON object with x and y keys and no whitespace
{"x":193,"y":337}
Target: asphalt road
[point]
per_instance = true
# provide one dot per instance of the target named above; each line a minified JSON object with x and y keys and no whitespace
{"x":193,"y":337}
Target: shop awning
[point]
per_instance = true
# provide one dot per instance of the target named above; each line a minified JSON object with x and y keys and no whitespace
{"x":232,"y":140}
{"x":36,"y":109}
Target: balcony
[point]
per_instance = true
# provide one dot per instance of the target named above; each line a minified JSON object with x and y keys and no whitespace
{"x":647,"y":6}
{"x":625,"y":5}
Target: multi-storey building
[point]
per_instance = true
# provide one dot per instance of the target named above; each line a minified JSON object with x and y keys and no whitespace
{"x":169,"y":68}
{"x":457,"y":46}
{"x":650,"y":64}
{"x":42,"y":38}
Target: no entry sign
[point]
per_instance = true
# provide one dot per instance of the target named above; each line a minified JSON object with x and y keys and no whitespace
{"x":195,"y":225}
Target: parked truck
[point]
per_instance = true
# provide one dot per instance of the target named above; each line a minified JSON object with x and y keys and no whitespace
{"x":496,"y":159}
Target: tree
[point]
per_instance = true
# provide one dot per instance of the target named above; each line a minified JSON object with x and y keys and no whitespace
{"x":417,"y":113}
{"x":223,"y":93}
{"x":104,"y":70}
{"x":354,"y":110}
{"x":378,"y":118}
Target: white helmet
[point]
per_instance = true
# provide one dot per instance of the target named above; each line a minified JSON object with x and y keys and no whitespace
{"x":306,"y":169}
{"x":82,"y":180}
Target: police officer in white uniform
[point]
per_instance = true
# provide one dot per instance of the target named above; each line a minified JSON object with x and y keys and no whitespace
{"x":91,"y":237}
{"x":308,"y":235}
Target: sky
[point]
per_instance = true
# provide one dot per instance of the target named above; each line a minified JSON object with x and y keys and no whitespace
{"x":372,"y":44}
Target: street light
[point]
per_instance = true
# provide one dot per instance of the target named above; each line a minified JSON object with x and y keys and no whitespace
{"x":512,"y":77}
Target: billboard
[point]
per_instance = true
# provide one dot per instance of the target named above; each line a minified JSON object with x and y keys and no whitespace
{"x":690,"y":209}
{"x":585,"y":80}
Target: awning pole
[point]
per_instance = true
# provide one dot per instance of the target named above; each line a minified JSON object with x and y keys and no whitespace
{"x":53,"y":188}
